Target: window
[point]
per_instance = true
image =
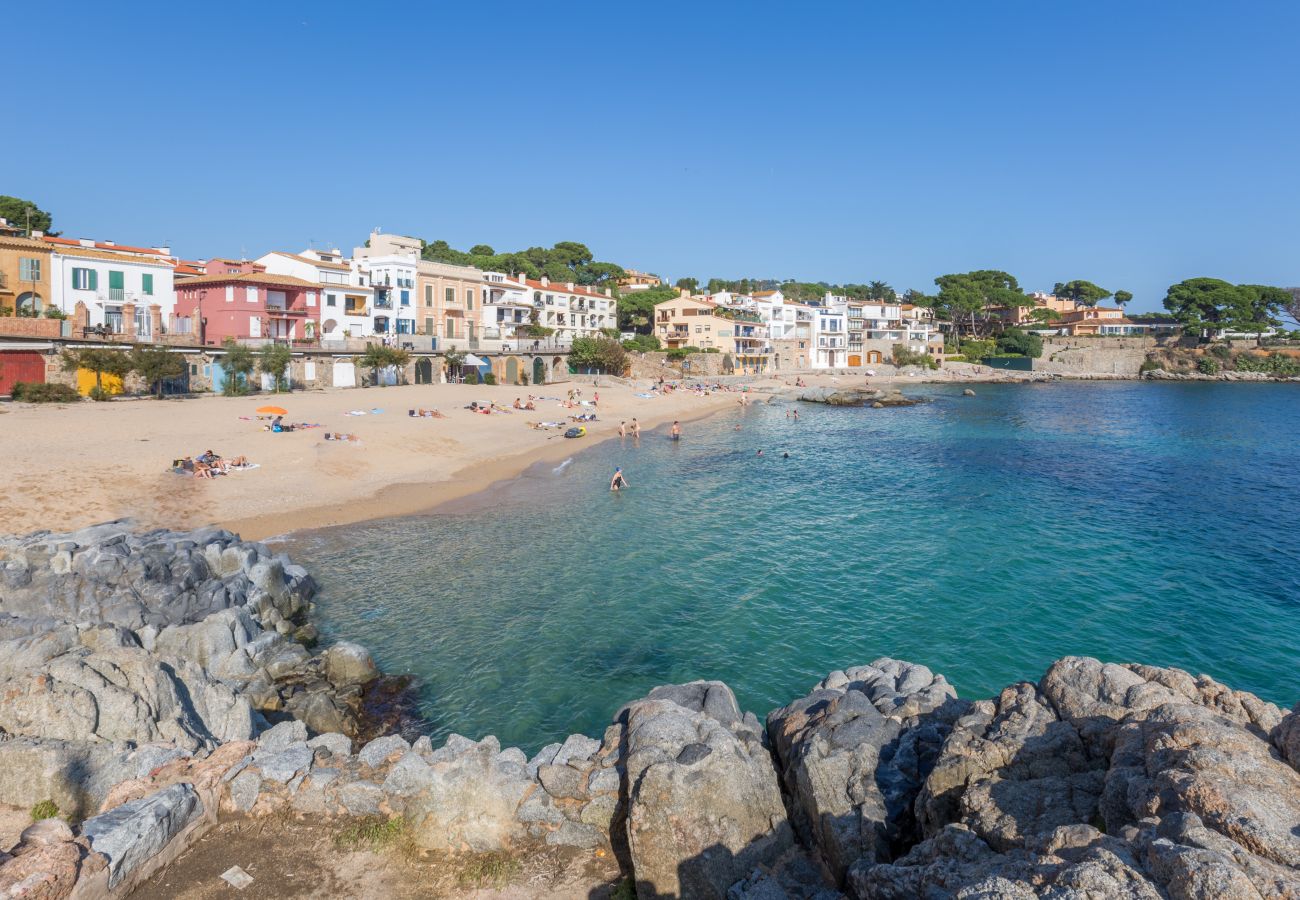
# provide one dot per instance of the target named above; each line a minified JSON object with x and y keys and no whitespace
{"x":147,"y":284}
{"x":469,"y":298}
{"x":311,"y":298}
{"x":451,"y":295}
{"x":331,"y":300}
{"x":84,"y":279}
{"x":230,"y":293}
{"x":29,"y":268}
{"x":428,"y":295}
{"x":116,"y":285}
{"x":250,"y":294}
{"x":451,"y":328}
{"x":406,"y":298}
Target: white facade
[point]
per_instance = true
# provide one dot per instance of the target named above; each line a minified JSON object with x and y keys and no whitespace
{"x":106,"y":281}
{"x":389,"y":267}
{"x":346,"y":299}
{"x":830,"y":338}
{"x":507,"y":305}
{"x":570,"y":310}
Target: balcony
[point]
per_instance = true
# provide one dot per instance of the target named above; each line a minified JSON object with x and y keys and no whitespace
{"x":356,"y":311}
{"x":383,"y":302}
{"x":284,"y":311}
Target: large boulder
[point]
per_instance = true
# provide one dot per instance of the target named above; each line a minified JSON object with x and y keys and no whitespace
{"x":854,"y":753}
{"x":131,"y":834}
{"x":1180,"y":773}
{"x":123,"y":694}
{"x":347,"y":664}
{"x":703,"y":802}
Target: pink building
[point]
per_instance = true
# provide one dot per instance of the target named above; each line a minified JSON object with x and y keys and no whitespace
{"x":238,"y":299}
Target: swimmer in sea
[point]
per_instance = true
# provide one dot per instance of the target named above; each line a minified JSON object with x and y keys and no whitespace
{"x":676,"y":433}
{"x":618,"y":482}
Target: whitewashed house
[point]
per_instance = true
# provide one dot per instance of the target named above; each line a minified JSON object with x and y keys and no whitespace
{"x":127,"y":290}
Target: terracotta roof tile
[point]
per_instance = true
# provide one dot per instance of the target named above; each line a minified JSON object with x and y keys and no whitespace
{"x":125,"y":258}
{"x":314,"y":262}
{"x":251,"y":278}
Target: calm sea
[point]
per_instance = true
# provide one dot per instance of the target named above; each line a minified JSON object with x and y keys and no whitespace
{"x":982,"y":536}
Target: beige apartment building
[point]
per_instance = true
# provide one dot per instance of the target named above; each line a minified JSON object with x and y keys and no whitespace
{"x":450,"y":302}
{"x":692,"y":322}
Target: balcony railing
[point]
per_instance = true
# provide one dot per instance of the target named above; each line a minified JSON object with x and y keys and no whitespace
{"x":285,"y":311}
{"x":384,"y":303}
{"x":356,"y":311}
{"x":117,"y":295}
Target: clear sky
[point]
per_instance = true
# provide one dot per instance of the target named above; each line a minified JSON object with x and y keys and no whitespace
{"x":1130,"y":143}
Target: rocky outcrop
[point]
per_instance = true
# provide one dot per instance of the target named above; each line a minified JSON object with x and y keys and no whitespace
{"x":854,"y":753}
{"x":703,"y":802}
{"x":859,"y":397}
{"x":1122,"y":780}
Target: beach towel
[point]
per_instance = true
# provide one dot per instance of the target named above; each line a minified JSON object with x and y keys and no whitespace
{"x":355,"y":412}
{"x":645,"y":396}
{"x":246,"y":468}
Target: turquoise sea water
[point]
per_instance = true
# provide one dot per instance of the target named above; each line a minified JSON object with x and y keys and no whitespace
{"x":982,"y":536}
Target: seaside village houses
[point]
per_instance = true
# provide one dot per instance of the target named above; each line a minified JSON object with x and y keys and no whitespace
{"x":764,"y":331}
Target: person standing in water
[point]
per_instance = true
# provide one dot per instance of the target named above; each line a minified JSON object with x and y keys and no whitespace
{"x":622,"y":429}
{"x":636,"y":428}
{"x":618,"y":482}
{"x":676,"y":433}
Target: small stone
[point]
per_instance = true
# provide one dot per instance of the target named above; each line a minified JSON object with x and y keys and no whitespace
{"x":576,"y":746}
{"x":46,"y":832}
{"x":335,"y":743}
{"x":361,"y":798}
{"x":575,"y":834}
{"x":244,"y":790}
{"x":284,"y":765}
{"x":281,"y":736}
{"x":561,"y":781}
{"x":380,"y":750}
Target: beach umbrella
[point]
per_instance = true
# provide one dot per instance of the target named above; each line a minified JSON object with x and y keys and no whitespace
{"x":273,"y":410}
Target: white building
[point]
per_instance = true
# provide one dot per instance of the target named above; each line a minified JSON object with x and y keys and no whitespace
{"x":111,"y":281}
{"x":830,"y":338}
{"x":389,"y":266}
{"x":346,"y":299}
{"x":572,"y":310}
{"x":507,"y":307}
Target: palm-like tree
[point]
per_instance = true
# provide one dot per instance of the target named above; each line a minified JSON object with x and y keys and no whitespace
{"x":880,"y":290}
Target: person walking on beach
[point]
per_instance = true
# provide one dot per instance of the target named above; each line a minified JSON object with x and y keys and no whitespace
{"x":676,"y":433}
{"x":636,"y":428}
{"x":618,"y":482}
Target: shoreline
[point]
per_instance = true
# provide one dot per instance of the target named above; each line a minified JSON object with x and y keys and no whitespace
{"x":424,"y":498}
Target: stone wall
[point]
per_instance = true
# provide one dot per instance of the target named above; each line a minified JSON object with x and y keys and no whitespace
{"x":1095,"y":355}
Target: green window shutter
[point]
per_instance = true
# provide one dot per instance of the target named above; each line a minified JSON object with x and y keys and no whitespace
{"x":94,"y":280}
{"x":148,"y":284}
{"x":116,"y":280}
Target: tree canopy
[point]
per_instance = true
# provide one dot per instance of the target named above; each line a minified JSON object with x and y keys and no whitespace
{"x":967,"y":298}
{"x":566,"y":261}
{"x":604,"y":353}
{"x":1204,"y":305}
{"x":1084,"y":293}
{"x":1123,"y":298}
{"x":16,"y":211}
{"x":156,"y":365}
{"x":636,"y":309}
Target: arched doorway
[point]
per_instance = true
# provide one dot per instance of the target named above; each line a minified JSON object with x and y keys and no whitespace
{"x":424,"y":371}
{"x":512,"y":370}
{"x":558,"y":369}
{"x":539,"y":371}
{"x":873,"y":356}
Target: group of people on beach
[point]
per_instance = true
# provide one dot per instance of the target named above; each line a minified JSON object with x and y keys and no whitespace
{"x":208,"y":465}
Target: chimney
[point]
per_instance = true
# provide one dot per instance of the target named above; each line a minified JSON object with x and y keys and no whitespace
{"x":86,"y":242}
{"x":609,"y":292}
{"x":546,"y":282}
{"x":569,"y":285}
{"x":108,"y":243}
{"x":165,"y":251}
{"x":38,"y":234}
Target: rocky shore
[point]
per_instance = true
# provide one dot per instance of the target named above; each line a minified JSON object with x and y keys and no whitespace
{"x":156,"y":685}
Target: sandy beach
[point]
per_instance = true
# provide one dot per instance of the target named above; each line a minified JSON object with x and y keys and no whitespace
{"x":71,"y":466}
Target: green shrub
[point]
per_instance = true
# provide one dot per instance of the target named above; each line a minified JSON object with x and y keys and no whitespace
{"x":489,"y":378}
{"x":643,"y":343}
{"x":1020,"y":343}
{"x":677,"y":353}
{"x":1207,"y":366}
{"x":100,"y":395}
{"x":494,"y":869}
{"x":710,"y":350}
{"x":974,"y":351}
{"x":53,"y":312}
{"x":471,"y":377}
{"x":1149,"y":365}
{"x":523,"y":379}
{"x":905,"y":356}
{"x":32,"y":392}
{"x":1273,"y":364}
{"x":1222,"y":351}
{"x":46,"y":809}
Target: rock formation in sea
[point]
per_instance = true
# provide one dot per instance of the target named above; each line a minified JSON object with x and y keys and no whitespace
{"x":153,"y":687}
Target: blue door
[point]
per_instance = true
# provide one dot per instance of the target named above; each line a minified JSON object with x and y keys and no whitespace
{"x":218,"y":376}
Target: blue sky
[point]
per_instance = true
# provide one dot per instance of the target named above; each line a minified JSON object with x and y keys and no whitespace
{"x":1132,"y":144}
